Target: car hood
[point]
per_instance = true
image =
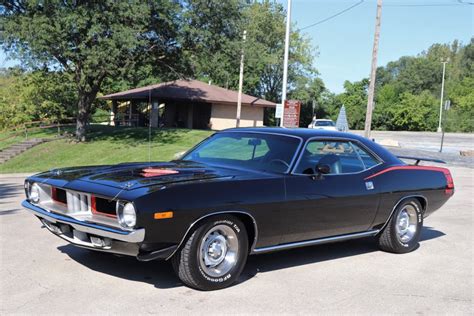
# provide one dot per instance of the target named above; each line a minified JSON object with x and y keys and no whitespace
{"x":137,"y":175}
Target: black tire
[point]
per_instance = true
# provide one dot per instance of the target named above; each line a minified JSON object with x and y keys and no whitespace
{"x":187,"y":263}
{"x":390,"y":240}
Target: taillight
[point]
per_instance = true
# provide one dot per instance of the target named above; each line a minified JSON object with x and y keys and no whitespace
{"x":449,"y":182}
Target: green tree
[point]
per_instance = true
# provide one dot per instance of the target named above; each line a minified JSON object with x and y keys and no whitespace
{"x":211,"y":39}
{"x":89,"y":40}
{"x":313,"y":93}
{"x":415,"y":112}
{"x":355,"y":100}
{"x":408,"y":88}
{"x":387,"y":96}
{"x":12,"y":110}
{"x":461,"y":115}
{"x":264,"y":50}
{"x":29,"y":96}
{"x":213,"y":30}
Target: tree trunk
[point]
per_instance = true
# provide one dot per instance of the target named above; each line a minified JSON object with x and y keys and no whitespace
{"x":84,"y":106}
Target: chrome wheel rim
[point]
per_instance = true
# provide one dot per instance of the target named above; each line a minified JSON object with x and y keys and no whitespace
{"x":406,"y":224}
{"x":218,"y":251}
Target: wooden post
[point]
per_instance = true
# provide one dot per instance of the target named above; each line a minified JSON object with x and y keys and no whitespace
{"x":241,"y":81}
{"x":114,"y":112}
{"x":154,"y":113}
{"x":373,"y":73}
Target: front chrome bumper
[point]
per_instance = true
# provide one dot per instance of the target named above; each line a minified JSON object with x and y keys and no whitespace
{"x":89,"y":235}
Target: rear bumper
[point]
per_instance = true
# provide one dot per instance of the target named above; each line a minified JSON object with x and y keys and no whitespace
{"x":89,"y":235}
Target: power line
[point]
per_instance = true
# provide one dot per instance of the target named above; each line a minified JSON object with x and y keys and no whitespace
{"x":460,"y":3}
{"x":466,"y":3}
{"x":425,"y":5}
{"x":333,"y":16}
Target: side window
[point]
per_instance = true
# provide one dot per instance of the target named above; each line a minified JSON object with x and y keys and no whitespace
{"x":232,"y":148}
{"x":341,"y":157}
{"x":368,"y":160}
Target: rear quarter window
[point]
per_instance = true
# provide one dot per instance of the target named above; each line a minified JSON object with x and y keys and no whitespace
{"x":343,"y":157}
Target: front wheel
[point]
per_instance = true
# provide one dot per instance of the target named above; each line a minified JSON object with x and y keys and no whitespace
{"x":402,"y":233}
{"x":214,"y":255}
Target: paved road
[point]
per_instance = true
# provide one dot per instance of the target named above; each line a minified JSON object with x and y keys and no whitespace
{"x":40,"y":273}
{"x":427,"y":145}
{"x":430,"y":141}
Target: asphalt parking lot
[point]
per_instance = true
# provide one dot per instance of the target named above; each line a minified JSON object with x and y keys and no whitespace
{"x":41,"y":273}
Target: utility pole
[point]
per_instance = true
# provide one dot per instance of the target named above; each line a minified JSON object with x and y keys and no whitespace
{"x":373,"y":72}
{"x":440,"y":129}
{"x":285,"y":60}
{"x":241,"y":82}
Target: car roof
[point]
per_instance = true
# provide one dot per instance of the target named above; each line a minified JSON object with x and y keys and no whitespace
{"x":304,"y":133}
{"x":307,"y":133}
{"x":323,"y":120}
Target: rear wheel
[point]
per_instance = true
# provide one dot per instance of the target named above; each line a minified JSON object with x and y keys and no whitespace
{"x":214,"y":255}
{"x":402,"y":233}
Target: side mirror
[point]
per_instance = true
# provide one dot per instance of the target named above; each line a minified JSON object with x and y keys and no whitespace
{"x":255,"y":142}
{"x":323,"y":169}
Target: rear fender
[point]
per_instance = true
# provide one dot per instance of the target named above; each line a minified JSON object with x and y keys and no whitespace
{"x":422,"y":199}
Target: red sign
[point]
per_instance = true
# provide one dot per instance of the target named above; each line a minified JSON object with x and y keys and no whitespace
{"x":291,"y":113}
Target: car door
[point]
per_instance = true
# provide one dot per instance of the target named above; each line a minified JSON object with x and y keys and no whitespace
{"x":337,"y":203}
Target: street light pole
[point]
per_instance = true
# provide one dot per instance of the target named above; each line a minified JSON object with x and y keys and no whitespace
{"x":285,"y":60}
{"x":241,"y":82}
{"x":440,"y":129}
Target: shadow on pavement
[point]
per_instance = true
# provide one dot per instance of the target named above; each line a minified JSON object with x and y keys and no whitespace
{"x":10,"y":212}
{"x":160,"y":273}
{"x":429,"y":233}
{"x":8,"y":190}
{"x":157,"y":273}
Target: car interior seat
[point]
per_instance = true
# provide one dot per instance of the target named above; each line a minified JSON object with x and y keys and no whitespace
{"x":333,"y":161}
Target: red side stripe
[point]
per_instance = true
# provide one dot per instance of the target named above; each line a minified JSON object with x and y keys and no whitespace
{"x":439,"y":169}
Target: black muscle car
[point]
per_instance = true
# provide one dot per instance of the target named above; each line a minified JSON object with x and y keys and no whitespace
{"x":240,"y":192}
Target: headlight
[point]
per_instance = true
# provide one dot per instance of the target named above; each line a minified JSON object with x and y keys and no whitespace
{"x":34,"y":193}
{"x":126,"y":215}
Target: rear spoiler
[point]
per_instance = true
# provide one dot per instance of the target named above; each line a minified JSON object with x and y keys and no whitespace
{"x":418,"y":159}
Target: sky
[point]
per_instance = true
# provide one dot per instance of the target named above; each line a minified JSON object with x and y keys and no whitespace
{"x":344,"y":43}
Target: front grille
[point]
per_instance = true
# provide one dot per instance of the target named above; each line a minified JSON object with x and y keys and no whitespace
{"x":79,"y":205}
{"x":78,"y":202}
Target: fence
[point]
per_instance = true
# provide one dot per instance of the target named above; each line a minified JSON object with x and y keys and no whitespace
{"x":29,"y":127}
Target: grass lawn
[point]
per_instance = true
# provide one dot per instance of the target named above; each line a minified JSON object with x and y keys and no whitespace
{"x":105,"y":145}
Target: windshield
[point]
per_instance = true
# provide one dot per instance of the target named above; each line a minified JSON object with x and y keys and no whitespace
{"x":324,"y":123}
{"x":262,"y":152}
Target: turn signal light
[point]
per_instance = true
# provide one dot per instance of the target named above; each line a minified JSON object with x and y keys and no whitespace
{"x":163,"y":215}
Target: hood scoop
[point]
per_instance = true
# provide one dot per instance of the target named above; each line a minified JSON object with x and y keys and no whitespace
{"x":157,"y":172}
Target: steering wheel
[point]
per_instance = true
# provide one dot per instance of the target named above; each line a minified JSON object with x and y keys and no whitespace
{"x":280,"y":161}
